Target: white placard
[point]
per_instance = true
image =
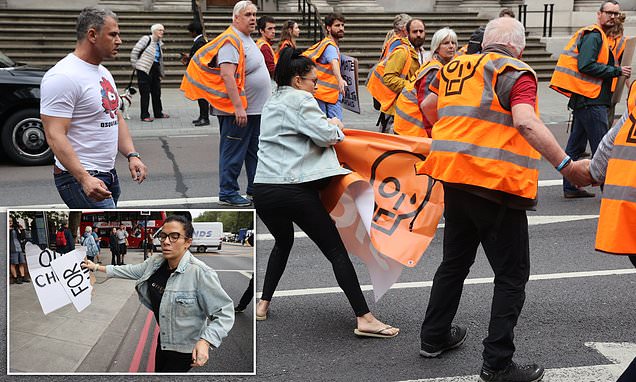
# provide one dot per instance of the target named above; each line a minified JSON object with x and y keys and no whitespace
{"x":74,"y":280}
{"x":349,"y":73}
{"x":47,"y":286}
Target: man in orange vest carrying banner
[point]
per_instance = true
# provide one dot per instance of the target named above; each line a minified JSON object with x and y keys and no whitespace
{"x":487,"y":140}
{"x":326,"y":55}
{"x":231,"y":74}
{"x":586,"y":74}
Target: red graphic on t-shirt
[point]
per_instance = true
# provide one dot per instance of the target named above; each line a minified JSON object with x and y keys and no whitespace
{"x":110,"y":100}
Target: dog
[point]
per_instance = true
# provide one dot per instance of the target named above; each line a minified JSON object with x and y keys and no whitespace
{"x":126,"y":101}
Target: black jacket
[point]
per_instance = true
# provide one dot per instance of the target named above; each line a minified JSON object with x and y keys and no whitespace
{"x":198,"y":43}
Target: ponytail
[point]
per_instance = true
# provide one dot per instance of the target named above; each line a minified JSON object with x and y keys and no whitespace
{"x":291,"y":63}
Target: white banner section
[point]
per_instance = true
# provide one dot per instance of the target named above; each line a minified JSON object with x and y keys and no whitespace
{"x":75,"y":280}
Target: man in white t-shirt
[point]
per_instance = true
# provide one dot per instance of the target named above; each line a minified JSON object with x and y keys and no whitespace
{"x":80,"y":112}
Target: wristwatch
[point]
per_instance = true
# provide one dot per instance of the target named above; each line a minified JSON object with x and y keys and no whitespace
{"x":133,"y":155}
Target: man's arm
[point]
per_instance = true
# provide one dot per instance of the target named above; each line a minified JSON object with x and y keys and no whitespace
{"x":269,"y":59}
{"x":228,"y":71}
{"x":56,"y":129}
{"x":138,"y":170}
{"x":591,"y":45}
{"x":393,"y":70}
{"x":428,"y":107}
{"x":539,"y":137}
{"x":335,"y":67}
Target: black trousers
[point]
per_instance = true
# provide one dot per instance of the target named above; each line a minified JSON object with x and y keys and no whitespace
{"x":150,"y":85}
{"x":248,"y":294}
{"x":281,"y":205}
{"x":204,"y":109}
{"x":168,"y":361}
{"x":503,"y":233}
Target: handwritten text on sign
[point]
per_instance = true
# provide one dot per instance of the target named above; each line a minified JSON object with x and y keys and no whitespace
{"x":349,"y":73}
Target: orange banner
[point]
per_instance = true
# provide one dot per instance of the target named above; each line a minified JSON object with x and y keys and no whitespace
{"x":386,"y":214}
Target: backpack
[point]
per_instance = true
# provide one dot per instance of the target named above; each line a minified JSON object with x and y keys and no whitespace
{"x":60,"y":239}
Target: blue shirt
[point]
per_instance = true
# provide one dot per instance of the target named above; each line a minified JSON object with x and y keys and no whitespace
{"x":158,"y":52}
{"x":329,"y":54}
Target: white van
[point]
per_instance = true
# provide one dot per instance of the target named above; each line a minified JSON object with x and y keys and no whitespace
{"x":206,"y":235}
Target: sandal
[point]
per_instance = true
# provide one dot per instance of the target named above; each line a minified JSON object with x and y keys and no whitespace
{"x":147,"y":119}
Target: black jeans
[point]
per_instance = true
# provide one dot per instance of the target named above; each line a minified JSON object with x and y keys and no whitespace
{"x":168,"y":361}
{"x":150,"y":84}
{"x":503,"y":233}
{"x":280,"y":205}
{"x":204,"y":109}
{"x":247,"y":295}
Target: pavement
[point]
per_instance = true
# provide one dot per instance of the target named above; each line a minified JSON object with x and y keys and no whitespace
{"x":552,"y":105}
{"x":35,"y":340}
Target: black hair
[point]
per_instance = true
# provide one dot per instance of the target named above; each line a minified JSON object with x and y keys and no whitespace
{"x":291,"y":63}
{"x":195,"y":27}
{"x":408,"y":24}
{"x":92,"y":17}
{"x":261,"y":23}
{"x":185,"y":222}
{"x":330,"y":18}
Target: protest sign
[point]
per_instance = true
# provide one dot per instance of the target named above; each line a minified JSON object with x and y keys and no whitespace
{"x":74,"y":280}
{"x":385,"y":213}
{"x":628,"y":56}
{"x":47,"y":286}
{"x":349,"y":73}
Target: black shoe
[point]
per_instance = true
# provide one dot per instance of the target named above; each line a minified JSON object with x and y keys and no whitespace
{"x":239,"y":309}
{"x":581,"y":193}
{"x":513,"y":373}
{"x":18,"y":280}
{"x":456,"y":338}
{"x":202,"y":122}
{"x":26,"y":280}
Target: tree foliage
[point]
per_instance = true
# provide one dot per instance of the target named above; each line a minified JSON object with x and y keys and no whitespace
{"x":232,"y":220}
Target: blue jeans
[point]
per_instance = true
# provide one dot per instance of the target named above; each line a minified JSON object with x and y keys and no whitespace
{"x":237,"y":145}
{"x":331,"y":109}
{"x":72,"y":194}
{"x":588,"y":123}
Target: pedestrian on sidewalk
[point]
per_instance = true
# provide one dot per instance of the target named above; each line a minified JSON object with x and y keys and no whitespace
{"x":231,"y":74}
{"x":149,"y":246}
{"x":296,"y":159}
{"x":88,"y":241}
{"x":147,"y":58}
{"x":196,"y":31}
{"x":122,"y":243}
{"x":99,"y":246}
{"x":185,"y":295}
{"x":16,"y":253}
{"x":114,"y":247}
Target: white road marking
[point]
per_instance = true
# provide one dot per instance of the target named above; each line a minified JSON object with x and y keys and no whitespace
{"x":475,"y":281}
{"x":620,"y":354}
{"x":532,"y":221}
{"x":179,"y":201}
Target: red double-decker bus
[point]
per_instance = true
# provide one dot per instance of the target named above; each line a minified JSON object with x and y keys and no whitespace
{"x":134,"y":221}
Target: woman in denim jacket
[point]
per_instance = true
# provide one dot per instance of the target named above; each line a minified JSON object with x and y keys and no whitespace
{"x":296,"y":159}
{"x":190,"y":306}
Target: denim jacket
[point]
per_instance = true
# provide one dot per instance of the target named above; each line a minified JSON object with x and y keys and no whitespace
{"x":296,"y":141}
{"x":194,"y":305}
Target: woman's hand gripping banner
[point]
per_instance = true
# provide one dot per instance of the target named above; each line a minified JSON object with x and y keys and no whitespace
{"x":385,"y":213}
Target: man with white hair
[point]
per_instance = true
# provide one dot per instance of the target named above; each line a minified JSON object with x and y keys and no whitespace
{"x":230,"y":72}
{"x":487,"y":140}
{"x":147,"y":58}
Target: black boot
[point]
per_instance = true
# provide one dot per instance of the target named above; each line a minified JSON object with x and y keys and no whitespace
{"x":513,"y":373}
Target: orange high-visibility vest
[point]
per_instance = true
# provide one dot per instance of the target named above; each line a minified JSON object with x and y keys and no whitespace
{"x":474,"y":140}
{"x":408,"y":119}
{"x":375,"y":82}
{"x":328,"y":87}
{"x":385,"y":48}
{"x":567,"y":79}
{"x":284,"y":44}
{"x":617,"y":45}
{"x":203,"y":81}
{"x":631,"y":98}
{"x":615,"y":232}
{"x":261,"y":41}
{"x":463,"y":50}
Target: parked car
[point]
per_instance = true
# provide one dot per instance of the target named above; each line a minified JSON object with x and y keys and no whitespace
{"x":22,"y":133}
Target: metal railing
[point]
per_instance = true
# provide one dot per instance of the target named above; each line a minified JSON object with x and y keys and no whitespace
{"x":311,"y":18}
{"x":548,"y":13}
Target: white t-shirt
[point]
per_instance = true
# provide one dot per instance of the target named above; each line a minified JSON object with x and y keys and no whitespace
{"x":258,"y":87}
{"x":86,"y":93}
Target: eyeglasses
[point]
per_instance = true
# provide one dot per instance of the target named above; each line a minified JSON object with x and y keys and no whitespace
{"x":612,"y":14}
{"x":174,"y":236}
{"x":315,"y":80}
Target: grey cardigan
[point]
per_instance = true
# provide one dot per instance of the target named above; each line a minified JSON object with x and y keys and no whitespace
{"x":193,"y":306}
{"x":296,"y":141}
{"x":144,"y":63}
